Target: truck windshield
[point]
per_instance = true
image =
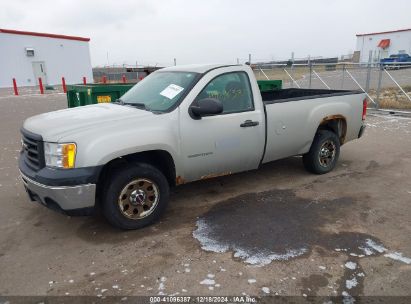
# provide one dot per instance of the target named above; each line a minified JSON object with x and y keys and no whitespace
{"x":159,"y":91}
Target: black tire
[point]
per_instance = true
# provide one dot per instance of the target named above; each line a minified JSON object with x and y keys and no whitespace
{"x":119,"y":180}
{"x":313,"y":162}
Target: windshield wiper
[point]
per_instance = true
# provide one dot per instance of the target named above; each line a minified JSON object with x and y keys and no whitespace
{"x":139,"y":105}
{"x":118,"y":101}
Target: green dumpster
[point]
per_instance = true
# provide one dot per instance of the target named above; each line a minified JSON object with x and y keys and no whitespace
{"x":81,"y":95}
{"x":269,"y":85}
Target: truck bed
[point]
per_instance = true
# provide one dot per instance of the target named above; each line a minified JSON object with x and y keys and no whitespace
{"x":285,"y":95}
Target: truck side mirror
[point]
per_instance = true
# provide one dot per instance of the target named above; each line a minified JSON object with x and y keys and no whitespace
{"x":206,"y":106}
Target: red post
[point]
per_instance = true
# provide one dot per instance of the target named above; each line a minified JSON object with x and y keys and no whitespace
{"x":63,"y":81}
{"x":104,"y":79}
{"x":41,"y":86}
{"x":84,"y":80}
{"x":124,"y":79}
{"x":141,"y":77}
{"x":16,"y":91}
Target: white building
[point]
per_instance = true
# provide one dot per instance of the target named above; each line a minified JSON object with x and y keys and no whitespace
{"x":383,"y":44}
{"x":26,"y":56}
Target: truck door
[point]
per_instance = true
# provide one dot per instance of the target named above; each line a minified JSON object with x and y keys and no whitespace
{"x":226,"y":143}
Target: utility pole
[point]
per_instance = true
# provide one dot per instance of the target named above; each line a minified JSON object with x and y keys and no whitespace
{"x":249,"y":59}
{"x":175,"y":61}
{"x":238,"y":60}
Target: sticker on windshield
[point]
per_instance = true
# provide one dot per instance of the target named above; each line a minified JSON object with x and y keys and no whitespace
{"x":171,"y":91}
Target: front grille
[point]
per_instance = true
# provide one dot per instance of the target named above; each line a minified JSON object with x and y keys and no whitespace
{"x":33,"y":150}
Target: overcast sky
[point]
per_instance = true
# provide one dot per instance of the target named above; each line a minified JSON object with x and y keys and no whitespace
{"x":203,"y":31}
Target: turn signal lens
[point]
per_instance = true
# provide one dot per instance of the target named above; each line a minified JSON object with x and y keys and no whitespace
{"x":69,"y":155}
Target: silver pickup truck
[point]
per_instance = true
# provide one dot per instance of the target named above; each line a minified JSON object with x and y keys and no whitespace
{"x":178,"y":125}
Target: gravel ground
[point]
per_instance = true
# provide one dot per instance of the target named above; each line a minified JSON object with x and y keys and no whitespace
{"x":278,"y":230}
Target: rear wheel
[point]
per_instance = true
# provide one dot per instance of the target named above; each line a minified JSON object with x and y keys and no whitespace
{"x":136,"y":196}
{"x":323,"y":154}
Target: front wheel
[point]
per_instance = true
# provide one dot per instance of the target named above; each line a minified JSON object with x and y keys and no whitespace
{"x":136,"y":196}
{"x":323,"y":154}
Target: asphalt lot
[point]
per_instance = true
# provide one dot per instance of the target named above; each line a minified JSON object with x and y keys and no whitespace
{"x":275,"y":231}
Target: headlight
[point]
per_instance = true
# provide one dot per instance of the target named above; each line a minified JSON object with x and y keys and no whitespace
{"x":60,"y":155}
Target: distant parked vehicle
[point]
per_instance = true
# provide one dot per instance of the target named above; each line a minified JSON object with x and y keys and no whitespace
{"x":396,"y":61}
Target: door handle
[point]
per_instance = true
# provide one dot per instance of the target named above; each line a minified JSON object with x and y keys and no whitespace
{"x":249,"y":123}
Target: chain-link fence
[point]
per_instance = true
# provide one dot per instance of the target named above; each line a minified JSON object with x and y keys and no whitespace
{"x":387,"y":85}
{"x":113,"y":77}
{"x":113,"y":74}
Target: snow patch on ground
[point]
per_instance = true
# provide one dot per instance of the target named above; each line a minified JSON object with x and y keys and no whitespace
{"x":251,"y":281}
{"x":265,"y":258}
{"x":351,"y":265}
{"x":398,"y":257}
{"x":375,"y":246}
{"x":389,"y":123}
{"x":347,"y":298}
{"x":260,"y":259}
{"x":161,"y":285}
{"x":207,"y":243}
{"x":207,"y":282}
{"x":351,"y":283}
{"x":266,"y":290}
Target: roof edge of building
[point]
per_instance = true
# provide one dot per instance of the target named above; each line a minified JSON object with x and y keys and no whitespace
{"x":47,"y":35}
{"x":386,"y":32}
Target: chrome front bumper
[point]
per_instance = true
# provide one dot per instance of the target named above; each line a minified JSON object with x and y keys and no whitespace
{"x":62,"y":198}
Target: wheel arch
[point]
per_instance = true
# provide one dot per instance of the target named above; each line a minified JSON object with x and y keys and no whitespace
{"x":160,"y":159}
{"x":335,"y":123}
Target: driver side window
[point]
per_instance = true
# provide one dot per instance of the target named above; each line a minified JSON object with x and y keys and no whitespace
{"x":232,"y":89}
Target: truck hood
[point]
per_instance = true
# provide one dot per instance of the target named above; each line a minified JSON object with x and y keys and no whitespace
{"x":55,"y":125}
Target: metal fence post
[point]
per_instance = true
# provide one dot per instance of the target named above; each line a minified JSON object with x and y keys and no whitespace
{"x":310,"y":67}
{"x":367,"y":83}
{"x":377,"y":100}
{"x":343,"y":76}
{"x":292,"y":68}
